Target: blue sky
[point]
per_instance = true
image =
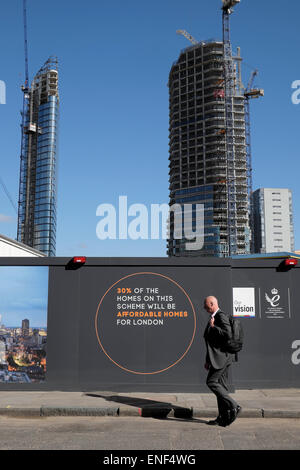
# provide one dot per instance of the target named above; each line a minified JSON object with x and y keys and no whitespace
{"x":24,"y":294}
{"x":114,"y":61}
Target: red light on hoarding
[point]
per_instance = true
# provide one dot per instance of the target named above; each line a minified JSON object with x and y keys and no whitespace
{"x":291,"y":262}
{"x":79,"y":259}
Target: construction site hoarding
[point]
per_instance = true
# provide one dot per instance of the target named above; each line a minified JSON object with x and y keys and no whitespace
{"x":137,"y":324}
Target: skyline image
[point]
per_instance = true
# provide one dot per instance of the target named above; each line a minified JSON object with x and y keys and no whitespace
{"x":114,"y":61}
{"x":23,"y":323}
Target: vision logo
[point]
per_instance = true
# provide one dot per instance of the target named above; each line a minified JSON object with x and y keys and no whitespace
{"x":240,"y":308}
{"x":2,"y":92}
{"x":243,"y":302}
{"x":274,"y":301}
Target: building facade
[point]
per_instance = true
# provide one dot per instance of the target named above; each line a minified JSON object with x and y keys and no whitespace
{"x":198,"y":167}
{"x":25,"y":327}
{"x":273,"y":227}
{"x":38,"y":171}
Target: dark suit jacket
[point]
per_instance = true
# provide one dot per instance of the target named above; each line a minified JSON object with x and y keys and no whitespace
{"x":215,"y":338}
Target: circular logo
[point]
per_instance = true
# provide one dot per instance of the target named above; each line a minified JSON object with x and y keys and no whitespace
{"x":145,"y":323}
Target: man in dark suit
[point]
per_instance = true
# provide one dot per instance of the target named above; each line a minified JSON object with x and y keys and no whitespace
{"x":218,"y":361}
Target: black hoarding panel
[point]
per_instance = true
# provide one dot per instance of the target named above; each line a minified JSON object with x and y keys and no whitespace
{"x":137,"y":324}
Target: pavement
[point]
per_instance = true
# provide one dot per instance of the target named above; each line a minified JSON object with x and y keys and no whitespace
{"x":264,"y":403}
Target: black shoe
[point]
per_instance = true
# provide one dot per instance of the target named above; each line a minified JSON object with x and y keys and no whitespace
{"x":215,"y":422}
{"x":232,"y":414}
{"x":223,"y":421}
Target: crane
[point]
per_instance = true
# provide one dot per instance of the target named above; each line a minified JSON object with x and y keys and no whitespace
{"x":25,"y":44}
{"x":24,"y":182}
{"x":250,"y":93}
{"x":187,"y":35}
{"x":229,"y":91}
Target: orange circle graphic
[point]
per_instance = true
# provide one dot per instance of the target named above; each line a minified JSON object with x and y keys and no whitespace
{"x":166,"y":368}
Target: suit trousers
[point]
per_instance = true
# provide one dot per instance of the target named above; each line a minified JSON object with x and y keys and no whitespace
{"x":217,"y":382}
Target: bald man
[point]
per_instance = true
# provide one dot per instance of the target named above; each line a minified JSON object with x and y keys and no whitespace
{"x":218,"y":361}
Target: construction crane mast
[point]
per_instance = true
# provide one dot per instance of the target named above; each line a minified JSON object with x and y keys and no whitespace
{"x":250,"y":93}
{"x":25,"y":45}
{"x":229,"y":91}
{"x":29,"y":131}
{"x":247,"y":94}
{"x":26,"y":100}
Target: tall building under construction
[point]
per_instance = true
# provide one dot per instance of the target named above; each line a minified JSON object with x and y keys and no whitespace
{"x":38,"y":168}
{"x":198,"y":168}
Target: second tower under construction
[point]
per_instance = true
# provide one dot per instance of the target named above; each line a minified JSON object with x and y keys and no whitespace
{"x":198,"y":159}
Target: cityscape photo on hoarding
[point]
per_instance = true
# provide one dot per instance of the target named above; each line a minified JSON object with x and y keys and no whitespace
{"x":23,"y":323}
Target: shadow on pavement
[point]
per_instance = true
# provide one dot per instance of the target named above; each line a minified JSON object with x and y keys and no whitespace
{"x":151,"y":408}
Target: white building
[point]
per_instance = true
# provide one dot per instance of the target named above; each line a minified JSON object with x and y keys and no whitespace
{"x":10,"y":247}
{"x":273,"y":220}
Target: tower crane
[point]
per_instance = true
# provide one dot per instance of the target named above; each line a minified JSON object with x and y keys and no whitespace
{"x":250,"y":93}
{"x":229,"y":92}
{"x":25,"y":45}
{"x":24,"y":182}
